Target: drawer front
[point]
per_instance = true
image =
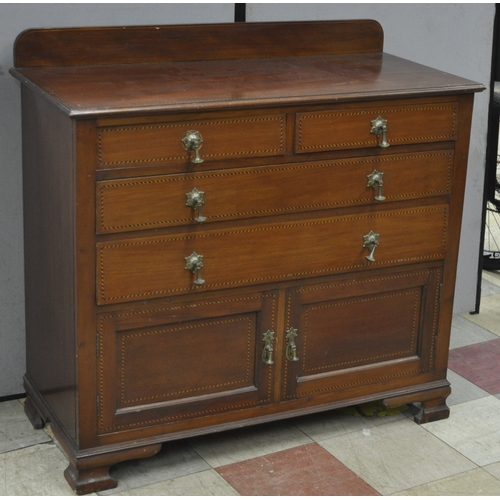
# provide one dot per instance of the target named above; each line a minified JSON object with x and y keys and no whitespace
{"x":392,"y":334}
{"x":184,"y":361}
{"x":351,"y":128}
{"x":161,"y":201}
{"x":142,"y":268}
{"x":223,"y":138}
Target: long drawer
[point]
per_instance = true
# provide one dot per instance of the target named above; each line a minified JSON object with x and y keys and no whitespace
{"x":363,"y":127}
{"x":162,"y":142}
{"x":162,"y":201}
{"x":141,"y":268}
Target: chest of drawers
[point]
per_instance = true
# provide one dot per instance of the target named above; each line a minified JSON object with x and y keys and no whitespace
{"x":232,"y":224}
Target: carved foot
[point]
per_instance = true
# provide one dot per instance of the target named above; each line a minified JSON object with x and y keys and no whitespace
{"x":91,"y":474}
{"x":433,"y":403}
{"x":89,"y":481}
{"x":431,"y":411}
{"x":32,"y":413}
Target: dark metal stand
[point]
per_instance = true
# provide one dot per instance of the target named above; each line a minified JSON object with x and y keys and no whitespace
{"x":491,"y":150}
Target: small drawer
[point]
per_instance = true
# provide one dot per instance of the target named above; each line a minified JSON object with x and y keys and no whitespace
{"x":170,"y":200}
{"x":215,"y":139}
{"x":143,"y":268}
{"x":364,"y":127}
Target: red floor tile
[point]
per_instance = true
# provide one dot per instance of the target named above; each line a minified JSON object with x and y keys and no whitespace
{"x":479,"y":363}
{"x":304,"y":470}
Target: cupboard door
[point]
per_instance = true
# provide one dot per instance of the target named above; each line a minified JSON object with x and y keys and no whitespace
{"x":185,"y":361}
{"x":351,"y":338}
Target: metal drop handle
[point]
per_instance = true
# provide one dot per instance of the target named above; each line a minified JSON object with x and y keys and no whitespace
{"x":196,"y":200}
{"x":268,"y":351}
{"x":379,"y":128}
{"x":291,"y":348}
{"x":194,"y":263}
{"x":193,"y":141}
{"x":370,"y":241}
{"x":376,"y":181}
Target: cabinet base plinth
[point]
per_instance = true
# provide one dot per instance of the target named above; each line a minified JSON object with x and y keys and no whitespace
{"x":431,"y":411}
{"x":90,"y":474}
{"x":89,"y":481}
{"x":433,"y":404}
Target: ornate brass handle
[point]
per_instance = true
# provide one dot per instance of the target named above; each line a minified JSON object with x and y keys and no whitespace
{"x":291,"y":348}
{"x":193,"y":141}
{"x":195,"y":200}
{"x":268,"y":352}
{"x":376,"y":181}
{"x":194,"y":263}
{"x":370,"y":241}
{"x":379,"y":128}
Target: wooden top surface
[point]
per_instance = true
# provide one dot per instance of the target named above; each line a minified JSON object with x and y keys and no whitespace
{"x":255,"y":80}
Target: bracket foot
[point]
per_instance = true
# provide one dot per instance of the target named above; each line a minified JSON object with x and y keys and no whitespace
{"x":32,"y":413}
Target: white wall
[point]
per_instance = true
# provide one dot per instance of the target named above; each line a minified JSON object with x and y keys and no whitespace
{"x":452,"y":37}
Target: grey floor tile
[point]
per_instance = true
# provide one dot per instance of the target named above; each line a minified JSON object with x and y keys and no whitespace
{"x":34,"y":471}
{"x":462,"y":390}
{"x":493,"y":469}
{"x":492,"y":277}
{"x":206,"y":483}
{"x":476,"y":482}
{"x":397,"y":456}
{"x":242,"y":444}
{"x":465,"y":332}
{"x":489,"y":314}
{"x":473,"y":429}
{"x":16,"y":430}
{"x":173,"y":460}
{"x":490,"y":286}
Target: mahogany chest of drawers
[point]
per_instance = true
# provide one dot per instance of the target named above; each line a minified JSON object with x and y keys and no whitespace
{"x":230,"y":224}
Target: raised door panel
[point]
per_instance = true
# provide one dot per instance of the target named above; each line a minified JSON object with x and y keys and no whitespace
{"x":361,"y":336}
{"x":184,"y":361}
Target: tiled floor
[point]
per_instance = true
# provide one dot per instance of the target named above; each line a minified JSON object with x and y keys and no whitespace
{"x":334,"y":453}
